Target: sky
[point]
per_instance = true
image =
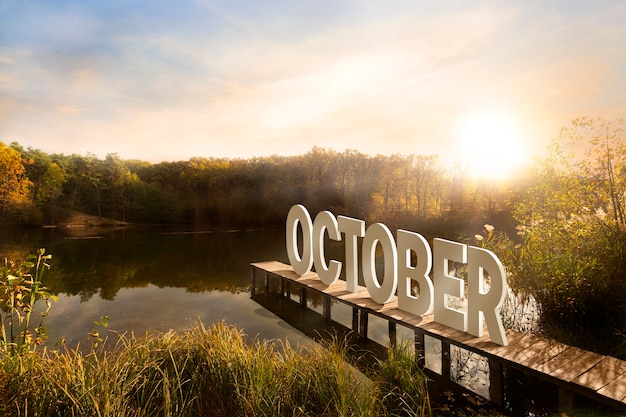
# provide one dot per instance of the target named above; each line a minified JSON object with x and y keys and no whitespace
{"x":170,"y":80}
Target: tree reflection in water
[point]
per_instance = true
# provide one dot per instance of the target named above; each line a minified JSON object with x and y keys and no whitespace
{"x":153,"y":279}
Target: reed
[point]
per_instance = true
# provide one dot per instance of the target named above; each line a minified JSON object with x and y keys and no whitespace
{"x":208,"y":371}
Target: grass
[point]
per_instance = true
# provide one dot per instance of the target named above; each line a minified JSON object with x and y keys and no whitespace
{"x":208,"y":372}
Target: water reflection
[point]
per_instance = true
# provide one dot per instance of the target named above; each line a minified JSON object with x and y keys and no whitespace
{"x":136,"y":258}
{"x":161,"y":309}
{"x":147,"y":280}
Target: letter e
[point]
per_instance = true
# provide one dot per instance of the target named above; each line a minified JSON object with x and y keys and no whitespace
{"x":445,"y":284}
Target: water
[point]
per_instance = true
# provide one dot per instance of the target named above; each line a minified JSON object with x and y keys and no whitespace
{"x":152,"y":280}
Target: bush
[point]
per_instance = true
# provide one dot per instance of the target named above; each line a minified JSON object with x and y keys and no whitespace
{"x":21,"y":293}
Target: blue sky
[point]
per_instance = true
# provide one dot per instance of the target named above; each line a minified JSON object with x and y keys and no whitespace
{"x":168,"y":80}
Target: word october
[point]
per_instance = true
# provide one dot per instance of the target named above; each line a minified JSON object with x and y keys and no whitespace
{"x":481,"y":305}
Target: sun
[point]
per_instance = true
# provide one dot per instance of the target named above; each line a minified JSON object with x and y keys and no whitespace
{"x":491,"y":145}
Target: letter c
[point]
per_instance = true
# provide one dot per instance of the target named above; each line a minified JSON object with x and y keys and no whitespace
{"x":325,"y":221}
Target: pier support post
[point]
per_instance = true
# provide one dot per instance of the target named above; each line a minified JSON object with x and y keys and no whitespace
{"x":392,"y":334}
{"x":445,"y":360}
{"x":419,"y":348}
{"x":496,"y":382}
{"x":566,"y":399}
{"x":303,"y":296}
{"x":253,"y":286}
{"x":326,"y":307}
{"x":363,"y":319}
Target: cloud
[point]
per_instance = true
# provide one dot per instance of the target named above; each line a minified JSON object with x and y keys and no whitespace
{"x":241,"y":79}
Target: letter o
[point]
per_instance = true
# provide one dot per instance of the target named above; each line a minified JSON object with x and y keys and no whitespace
{"x":379,"y":233}
{"x":298,"y":214}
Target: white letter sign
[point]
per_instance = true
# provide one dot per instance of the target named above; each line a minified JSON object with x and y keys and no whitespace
{"x":353,"y":228}
{"x":299,"y":215}
{"x":446,"y":284}
{"x":488,"y":304}
{"x":409,"y":242}
{"x":378,"y":233}
{"x":400,"y":273}
{"x":325,"y":221}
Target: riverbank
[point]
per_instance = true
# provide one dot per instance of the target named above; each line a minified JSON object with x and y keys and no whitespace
{"x":208,"y":371}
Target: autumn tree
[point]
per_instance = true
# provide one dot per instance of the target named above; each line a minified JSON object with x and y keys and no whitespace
{"x":14,"y":185}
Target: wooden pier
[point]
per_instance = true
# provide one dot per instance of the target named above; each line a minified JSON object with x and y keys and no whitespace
{"x":575,"y":374}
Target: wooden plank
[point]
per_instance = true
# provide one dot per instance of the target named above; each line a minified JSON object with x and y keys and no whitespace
{"x":450,"y":333}
{"x":538,"y":353}
{"x":522,"y":348}
{"x":560,"y":360}
{"x":406,"y":318}
{"x":615,"y":390}
{"x":602,"y":374}
{"x":496,"y":350}
{"x":577,"y":367}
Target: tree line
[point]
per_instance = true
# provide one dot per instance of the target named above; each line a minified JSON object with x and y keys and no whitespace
{"x":39,"y":188}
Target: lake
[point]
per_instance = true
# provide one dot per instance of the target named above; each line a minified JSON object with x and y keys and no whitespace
{"x":152,"y":279}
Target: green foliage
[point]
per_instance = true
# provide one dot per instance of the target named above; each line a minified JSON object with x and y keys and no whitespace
{"x":21,"y":293}
{"x":403,"y":383}
{"x":570,"y":255}
{"x":245,"y":192}
{"x":213,"y":371}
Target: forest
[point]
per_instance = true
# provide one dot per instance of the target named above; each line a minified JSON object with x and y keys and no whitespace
{"x":562,"y":221}
{"x":42,"y":189}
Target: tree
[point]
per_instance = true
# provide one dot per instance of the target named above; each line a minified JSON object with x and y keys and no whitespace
{"x":14,"y":185}
{"x":595,"y":151}
{"x":50,"y":189}
{"x":572,"y":255}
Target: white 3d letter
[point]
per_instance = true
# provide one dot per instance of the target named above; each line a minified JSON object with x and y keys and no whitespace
{"x":481,"y":304}
{"x":298,"y":214}
{"x":407,"y":242}
{"x":325,"y":221}
{"x":379,"y":233}
{"x":445,"y":284}
{"x":352,"y":228}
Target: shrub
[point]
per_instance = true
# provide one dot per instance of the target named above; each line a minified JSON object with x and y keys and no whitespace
{"x":21,"y":293}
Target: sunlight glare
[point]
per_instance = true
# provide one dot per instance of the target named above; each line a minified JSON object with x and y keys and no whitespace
{"x":491,"y":146}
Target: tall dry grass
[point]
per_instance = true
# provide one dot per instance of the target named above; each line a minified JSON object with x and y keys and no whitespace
{"x":208,"y":371}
